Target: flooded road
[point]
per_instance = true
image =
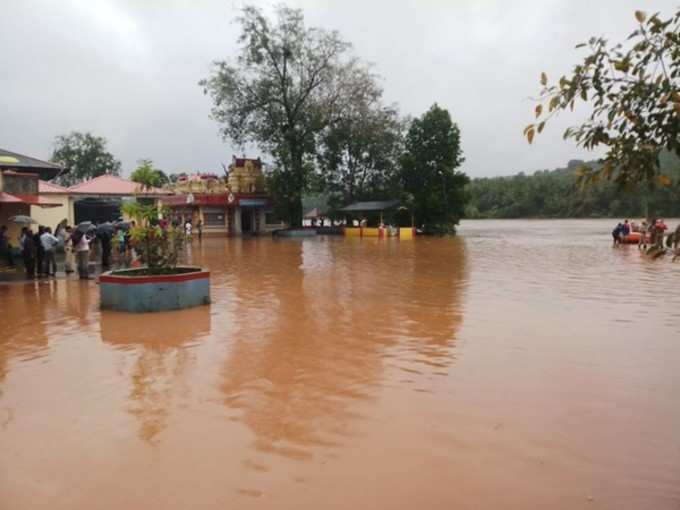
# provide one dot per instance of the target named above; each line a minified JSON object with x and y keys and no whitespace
{"x":522,"y":364}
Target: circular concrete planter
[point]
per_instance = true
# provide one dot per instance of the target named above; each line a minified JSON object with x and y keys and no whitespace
{"x":128,"y":291}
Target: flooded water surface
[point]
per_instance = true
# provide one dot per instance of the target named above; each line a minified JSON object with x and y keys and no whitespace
{"x":522,"y":364}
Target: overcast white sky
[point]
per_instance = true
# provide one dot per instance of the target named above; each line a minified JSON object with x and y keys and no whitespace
{"x":128,"y":70}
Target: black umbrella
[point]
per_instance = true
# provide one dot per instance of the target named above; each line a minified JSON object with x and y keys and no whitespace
{"x":85,"y":226}
{"x":105,"y":229}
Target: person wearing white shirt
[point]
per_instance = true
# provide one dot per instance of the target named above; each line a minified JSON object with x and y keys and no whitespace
{"x":82,"y":255}
{"x":49,"y":243}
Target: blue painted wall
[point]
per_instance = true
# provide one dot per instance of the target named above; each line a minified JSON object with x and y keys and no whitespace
{"x":154,"y":297}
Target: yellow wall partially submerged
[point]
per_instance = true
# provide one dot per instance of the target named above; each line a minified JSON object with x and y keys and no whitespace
{"x":51,"y":216}
{"x":406,"y":233}
{"x":371,"y":232}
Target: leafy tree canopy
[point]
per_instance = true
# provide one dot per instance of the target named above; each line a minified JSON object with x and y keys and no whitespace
{"x":428,"y":171}
{"x":288,"y":83}
{"x":147,"y":175}
{"x":634,"y":89}
{"x":85,"y":156}
{"x":359,"y":154}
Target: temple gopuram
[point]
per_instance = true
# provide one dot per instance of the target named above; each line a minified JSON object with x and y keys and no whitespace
{"x":233,"y":206}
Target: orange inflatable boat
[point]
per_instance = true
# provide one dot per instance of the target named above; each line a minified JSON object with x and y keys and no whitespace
{"x":633,"y":238}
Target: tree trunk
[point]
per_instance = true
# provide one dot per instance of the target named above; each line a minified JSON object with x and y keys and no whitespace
{"x":295,"y":210}
{"x":295,"y":198}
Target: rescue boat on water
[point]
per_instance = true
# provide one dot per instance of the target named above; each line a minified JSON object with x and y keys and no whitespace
{"x":634,"y":238}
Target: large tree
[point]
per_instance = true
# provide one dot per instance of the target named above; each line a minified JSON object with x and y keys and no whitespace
{"x":84,"y":155}
{"x":286,"y":85}
{"x":360,"y":152}
{"x":428,"y":171}
{"x":634,"y":89}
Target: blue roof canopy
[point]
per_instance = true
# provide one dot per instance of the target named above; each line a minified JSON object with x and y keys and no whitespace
{"x":377,"y":205}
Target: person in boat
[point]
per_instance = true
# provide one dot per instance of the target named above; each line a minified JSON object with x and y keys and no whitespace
{"x":616,"y":233}
{"x":625,"y":229}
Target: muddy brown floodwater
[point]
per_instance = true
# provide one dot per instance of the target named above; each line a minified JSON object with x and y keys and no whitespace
{"x":522,"y":364}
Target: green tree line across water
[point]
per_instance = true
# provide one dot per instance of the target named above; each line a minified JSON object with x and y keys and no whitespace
{"x":316,"y":110}
{"x":558,"y":194}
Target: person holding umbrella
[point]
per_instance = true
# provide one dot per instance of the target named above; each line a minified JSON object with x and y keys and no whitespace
{"x":27,"y":243}
{"x":28,"y":251}
{"x":39,"y":251}
{"x":82,"y":246}
{"x":105,"y":233}
{"x":70,"y":260}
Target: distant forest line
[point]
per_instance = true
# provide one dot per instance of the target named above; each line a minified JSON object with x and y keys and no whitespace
{"x":557,"y":194}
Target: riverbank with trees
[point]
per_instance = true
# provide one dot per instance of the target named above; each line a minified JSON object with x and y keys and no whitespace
{"x":559,"y":193}
{"x":632,"y":90}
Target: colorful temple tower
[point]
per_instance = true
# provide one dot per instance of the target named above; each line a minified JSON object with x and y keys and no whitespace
{"x":232,"y":206}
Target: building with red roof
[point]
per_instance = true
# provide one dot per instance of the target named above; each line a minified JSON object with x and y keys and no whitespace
{"x":100,"y":198}
{"x":232,"y":206}
{"x":113,"y":185}
{"x":25,"y":189}
{"x":13,"y":161}
{"x":97,"y":200}
{"x":18,"y":195}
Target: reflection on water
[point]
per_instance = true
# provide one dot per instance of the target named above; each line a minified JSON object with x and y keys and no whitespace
{"x":159,"y":343}
{"x":310,"y":341}
{"x":520,"y":365}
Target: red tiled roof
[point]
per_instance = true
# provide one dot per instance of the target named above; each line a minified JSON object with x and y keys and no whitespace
{"x":108,"y":184}
{"x":37,"y":200}
{"x":50,"y":187}
{"x":6,"y":198}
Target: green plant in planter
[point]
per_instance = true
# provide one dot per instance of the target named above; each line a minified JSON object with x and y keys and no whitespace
{"x":157,"y":241}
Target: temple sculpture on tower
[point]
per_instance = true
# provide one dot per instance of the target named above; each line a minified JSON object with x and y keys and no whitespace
{"x":232,"y":205}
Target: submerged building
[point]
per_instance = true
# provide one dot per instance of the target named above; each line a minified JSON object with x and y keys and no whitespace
{"x":19,"y":188}
{"x":229,"y":207}
{"x":98,"y":200}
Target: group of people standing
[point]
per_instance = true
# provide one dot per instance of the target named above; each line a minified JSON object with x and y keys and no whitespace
{"x":38,"y":251}
{"x":651,"y":233}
